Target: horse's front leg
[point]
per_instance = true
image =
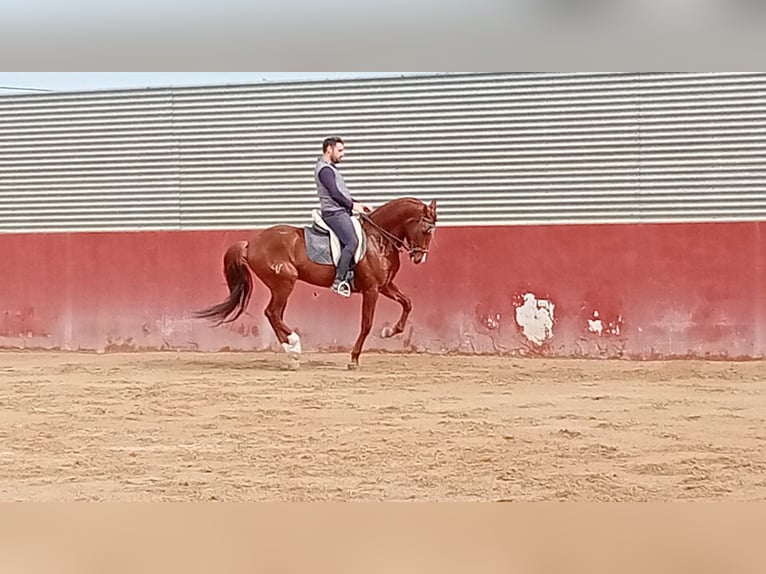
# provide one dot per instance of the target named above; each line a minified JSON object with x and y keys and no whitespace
{"x":369,"y":301}
{"x":392,"y":292}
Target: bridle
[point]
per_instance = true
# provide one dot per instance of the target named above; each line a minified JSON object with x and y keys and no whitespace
{"x":400,"y":243}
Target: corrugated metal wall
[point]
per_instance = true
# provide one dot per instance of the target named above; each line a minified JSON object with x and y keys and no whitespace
{"x":492,"y":148}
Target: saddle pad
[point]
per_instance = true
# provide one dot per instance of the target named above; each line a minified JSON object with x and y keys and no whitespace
{"x":318,"y":246}
{"x":318,"y":234}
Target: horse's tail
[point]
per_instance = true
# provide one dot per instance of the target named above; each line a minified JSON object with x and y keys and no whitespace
{"x":240,"y":284}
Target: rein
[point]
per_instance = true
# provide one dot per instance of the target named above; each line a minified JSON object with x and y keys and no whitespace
{"x":398,"y":243}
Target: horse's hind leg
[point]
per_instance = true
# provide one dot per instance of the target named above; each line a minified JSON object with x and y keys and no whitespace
{"x":275,"y":310}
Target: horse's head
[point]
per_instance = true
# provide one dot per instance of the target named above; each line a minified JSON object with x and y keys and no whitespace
{"x":419,"y":231}
{"x":406,"y":223}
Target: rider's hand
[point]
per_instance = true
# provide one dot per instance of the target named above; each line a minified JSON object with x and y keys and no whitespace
{"x":361,"y":208}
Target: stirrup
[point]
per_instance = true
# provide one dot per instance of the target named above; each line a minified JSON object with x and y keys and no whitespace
{"x":341,"y":288}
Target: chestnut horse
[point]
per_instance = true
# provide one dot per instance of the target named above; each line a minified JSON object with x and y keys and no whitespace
{"x":277,"y":256}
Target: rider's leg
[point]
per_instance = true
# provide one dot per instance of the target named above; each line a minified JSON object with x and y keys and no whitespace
{"x":341,"y":224}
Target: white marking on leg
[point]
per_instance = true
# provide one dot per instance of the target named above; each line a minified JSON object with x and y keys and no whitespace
{"x":294,"y":342}
{"x":293,"y":345}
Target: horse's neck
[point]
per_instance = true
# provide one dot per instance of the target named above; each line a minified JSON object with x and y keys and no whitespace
{"x":392,"y":218}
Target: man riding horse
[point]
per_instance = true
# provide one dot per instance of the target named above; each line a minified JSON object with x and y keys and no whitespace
{"x":279,"y":258}
{"x":337,"y":205}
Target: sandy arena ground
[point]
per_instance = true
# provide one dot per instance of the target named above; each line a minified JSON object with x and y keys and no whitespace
{"x":236,"y":426}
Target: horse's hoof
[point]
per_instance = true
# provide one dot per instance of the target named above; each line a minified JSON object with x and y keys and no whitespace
{"x":387,"y":332}
{"x":353,"y":366}
{"x":293,"y":364}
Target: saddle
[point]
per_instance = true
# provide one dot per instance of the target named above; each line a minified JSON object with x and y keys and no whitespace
{"x":323,"y":246}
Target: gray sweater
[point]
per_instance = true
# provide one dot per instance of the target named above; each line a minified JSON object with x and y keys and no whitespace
{"x":333,"y":194}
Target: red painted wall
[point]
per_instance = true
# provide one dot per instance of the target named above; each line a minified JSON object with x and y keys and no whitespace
{"x":660,"y":290}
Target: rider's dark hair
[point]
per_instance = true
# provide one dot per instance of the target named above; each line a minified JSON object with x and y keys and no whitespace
{"x":330,"y":142}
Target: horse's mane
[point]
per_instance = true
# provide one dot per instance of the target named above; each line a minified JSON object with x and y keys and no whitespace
{"x":399,"y":201}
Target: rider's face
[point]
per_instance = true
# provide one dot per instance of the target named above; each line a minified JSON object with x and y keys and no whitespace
{"x":336,"y":153}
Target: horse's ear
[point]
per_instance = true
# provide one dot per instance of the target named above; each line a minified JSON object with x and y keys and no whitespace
{"x":432,"y":207}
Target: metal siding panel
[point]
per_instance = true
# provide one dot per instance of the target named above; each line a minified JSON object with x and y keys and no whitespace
{"x":49,"y":181}
{"x":492,"y":148}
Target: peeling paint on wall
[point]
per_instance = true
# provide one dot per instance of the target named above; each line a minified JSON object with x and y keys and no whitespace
{"x":535,"y":318}
{"x":114,"y":291}
{"x":602,"y":327}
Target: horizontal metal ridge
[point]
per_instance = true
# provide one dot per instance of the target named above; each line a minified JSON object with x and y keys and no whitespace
{"x":493,"y":149}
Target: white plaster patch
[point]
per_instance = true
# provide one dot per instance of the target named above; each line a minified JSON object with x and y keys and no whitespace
{"x":535,"y":317}
{"x":595,"y":325}
{"x":599,"y":327}
{"x":492,"y":322}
